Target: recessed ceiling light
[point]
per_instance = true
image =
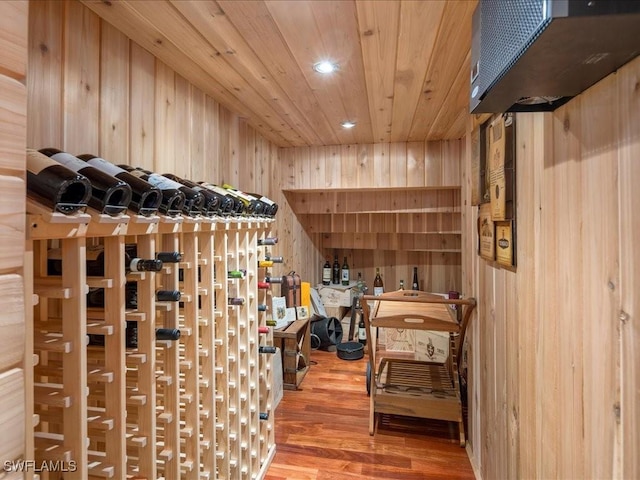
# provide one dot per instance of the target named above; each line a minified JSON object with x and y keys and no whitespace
{"x":325,"y":67}
{"x":348,"y":124}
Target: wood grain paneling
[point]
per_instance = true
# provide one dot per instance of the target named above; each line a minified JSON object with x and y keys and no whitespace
{"x":81,"y":79}
{"x":557,"y":359}
{"x":13,"y":120}
{"x":12,"y":321}
{"x":13,"y":39}
{"x":12,"y":413}
{"x":628,"y":125}
{"x":15,"y":408}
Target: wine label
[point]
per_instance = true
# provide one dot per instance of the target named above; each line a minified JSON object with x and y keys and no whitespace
{"x":362,"y":333}
{"x":217,"y":189}
{"x":69,"y":161}
{"x":106,"y":167}
{"x":267,"y":201}
{"x":163,"y":183}
{"x":378,"y":291}
{"x":36,"y":161}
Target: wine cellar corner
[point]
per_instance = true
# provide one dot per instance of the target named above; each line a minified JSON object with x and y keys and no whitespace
{"x":116,"y":393}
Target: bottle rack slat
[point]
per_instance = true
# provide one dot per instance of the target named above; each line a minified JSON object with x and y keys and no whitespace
{"x":151,"y":409}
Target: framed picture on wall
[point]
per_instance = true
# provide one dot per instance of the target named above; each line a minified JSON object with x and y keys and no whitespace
{"x":486,"y":233}
{"x":496,"y":146}
{"x":505,"y":243}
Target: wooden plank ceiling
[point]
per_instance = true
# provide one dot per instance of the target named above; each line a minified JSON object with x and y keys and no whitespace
{"x":404,"y":64}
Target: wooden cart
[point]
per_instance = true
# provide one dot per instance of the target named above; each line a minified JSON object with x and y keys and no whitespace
{"x":401,"y":383}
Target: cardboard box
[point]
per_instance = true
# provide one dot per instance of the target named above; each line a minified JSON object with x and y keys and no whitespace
{"x":431,"y":346}
{"x":336,"y":295}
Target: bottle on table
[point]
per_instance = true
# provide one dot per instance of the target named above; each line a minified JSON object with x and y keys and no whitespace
{"x":335,"y":271}
{"x":326,"y":273}
{"x":415,"y":285}
{"x":344,"y":272}
{"x":401,"y":285}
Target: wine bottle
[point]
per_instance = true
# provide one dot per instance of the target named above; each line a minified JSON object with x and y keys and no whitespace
{"x":252,"y":205}
{"x":265,"y":263}
{"x":212,"y":200}
{"x":271,"y":207}
{"x":344,"y":273}
{"x":194,"y":201}
{"x":273,"y":279}
{"x":362,"y":331}
{"x":232,"y":206}
{"x":131,"y":335}
{"x":54,"y":185}
{"x":145,"y":198}
{"x":264,"y":416}
{"x":109,"y":195}
{"x":326,"y":273}
{"x":264,"y":285}
{"x":414,"y":284}
{"x":169,"y":257}
{"x":268,"y":241}
{"x":236,"y":301}
{"x":269,"y":258}
{"x":168,"y":295}
{"x":263,"y":330}
{"x":266,"y":349}
{"x":95,"y":296}
{"x":173,"y":200}
{"x":378,"y":285}
{"x":165,"y":257}
{"x":401,"y":285}
{"x":95,"y":262}
{"x":262,"y":307}
{"x":335,"y":278}
{"x":271,"y":323}
{"x":236,"y":273}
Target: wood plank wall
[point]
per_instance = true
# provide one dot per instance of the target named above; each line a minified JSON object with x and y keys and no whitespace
{"x":92,"y":90}
{"x":557,"y":342}
{"x":362,"y":190}
{"x":15,"y":374}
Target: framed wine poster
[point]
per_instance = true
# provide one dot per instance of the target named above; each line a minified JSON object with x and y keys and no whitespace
{"x":486,"y":233}
{"x":496,"y":147}
{"x":505,"y":243}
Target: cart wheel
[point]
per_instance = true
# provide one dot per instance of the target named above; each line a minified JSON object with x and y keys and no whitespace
{"x":368,"y":379}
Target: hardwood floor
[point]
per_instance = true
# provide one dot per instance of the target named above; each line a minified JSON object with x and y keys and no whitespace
{"x":322,"y":433}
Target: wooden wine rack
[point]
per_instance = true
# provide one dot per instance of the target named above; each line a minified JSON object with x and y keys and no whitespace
{"x":187,"y":409}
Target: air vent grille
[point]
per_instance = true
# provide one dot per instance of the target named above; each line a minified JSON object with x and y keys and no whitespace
{"x":507,"y":26}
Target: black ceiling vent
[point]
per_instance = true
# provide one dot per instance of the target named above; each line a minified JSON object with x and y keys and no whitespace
{"x":535,"y":55}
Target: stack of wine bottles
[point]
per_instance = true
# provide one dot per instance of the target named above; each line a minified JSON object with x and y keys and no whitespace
{"x":67,"y":184}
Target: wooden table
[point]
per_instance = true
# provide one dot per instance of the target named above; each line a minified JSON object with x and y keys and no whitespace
{"x":294,"y":342}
